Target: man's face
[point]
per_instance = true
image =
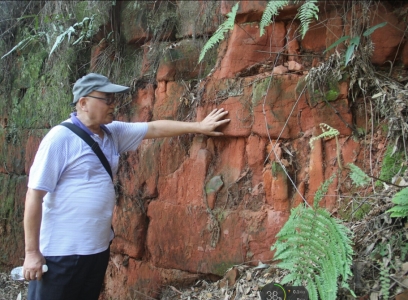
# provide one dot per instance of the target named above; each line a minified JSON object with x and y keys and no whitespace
{"x":101,"y":107}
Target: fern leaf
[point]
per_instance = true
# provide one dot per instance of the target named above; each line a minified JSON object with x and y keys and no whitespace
{"x":401,"y":207}
{"x":322,"y":190}
{"x":289,"y":278}
{"x":271,"y":10}
{"x":307,"y":12}
{"x":401,"y":197}
{"x":320,"y":288}
{"x":385,"y":280}
{"x":358,"y":176}
{"x":328,"y":132}
{"x":347,"y":287}
{"x":318,"y":251}
{"x":312,"y":289}
{"x":303,"y":237}
{"x":398,"y":211}
{"x":219,"y":33}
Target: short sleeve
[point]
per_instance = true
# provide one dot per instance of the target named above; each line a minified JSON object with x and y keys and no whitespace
{"x":49,"y":162}
{"x":128,"y":135}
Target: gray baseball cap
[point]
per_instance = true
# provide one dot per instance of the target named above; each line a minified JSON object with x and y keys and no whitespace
{"x":95,"y":82}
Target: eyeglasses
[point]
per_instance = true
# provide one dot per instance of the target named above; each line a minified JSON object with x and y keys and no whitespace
{"x":108,"y":101}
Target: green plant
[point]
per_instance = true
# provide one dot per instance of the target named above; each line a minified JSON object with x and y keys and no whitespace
{"x":87,"y":31}
{"x":26,"y":42}
{"x":322,"y":190}
{"x":306,"y":13}
{"x":328,"y":132}
{"x":316,"y":249}
{"x":354,"y":42}
{"x":272,"y":9}
{"x":389,"y":254}
{"x":362,"y":211}
{"x":391,"y":165}
{"x":219,"y":33}
{"x":400,"y":200}
{"x":86,"y":27}
{"x":385,"y":279}
{"x":358,"y":176}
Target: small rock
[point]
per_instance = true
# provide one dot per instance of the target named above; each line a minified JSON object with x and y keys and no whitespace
{"x":294,"y":66}
{"x":279,"y":70}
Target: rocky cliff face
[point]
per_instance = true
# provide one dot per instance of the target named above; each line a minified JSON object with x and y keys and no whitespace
{"x":193,"y":206}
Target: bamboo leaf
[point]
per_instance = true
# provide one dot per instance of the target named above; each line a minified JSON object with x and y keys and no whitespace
{"x":336,"y":43}
{"x":19,"y":45}
{"x":58,"y":41}
{"x":355,"y":41}
{"x":349,"y":53}
{"x":372,"y":29}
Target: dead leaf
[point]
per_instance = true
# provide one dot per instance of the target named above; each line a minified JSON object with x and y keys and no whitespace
{"x":248,"y":276}
{"x":176,"y":290}
{"x":405,"y":267}
{"x":374,"y":295}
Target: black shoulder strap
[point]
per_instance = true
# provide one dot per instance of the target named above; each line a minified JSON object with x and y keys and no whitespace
{"x":94,"y":145}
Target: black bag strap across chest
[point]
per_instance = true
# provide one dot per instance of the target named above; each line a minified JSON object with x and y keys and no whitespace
{"x":93,"y":144}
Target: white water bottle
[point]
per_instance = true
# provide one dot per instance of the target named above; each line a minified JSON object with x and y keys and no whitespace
{"x":18,"y":273}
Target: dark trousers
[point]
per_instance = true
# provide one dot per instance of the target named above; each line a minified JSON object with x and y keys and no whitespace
{"x":73,"y":277}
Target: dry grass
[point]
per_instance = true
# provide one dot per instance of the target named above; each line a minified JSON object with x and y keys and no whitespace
{"x":11,"y":289}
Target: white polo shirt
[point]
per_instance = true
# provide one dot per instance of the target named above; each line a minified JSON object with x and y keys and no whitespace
{"x":77,"y":210}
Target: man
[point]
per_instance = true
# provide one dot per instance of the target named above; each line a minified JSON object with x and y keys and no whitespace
{"x":70,"y":197}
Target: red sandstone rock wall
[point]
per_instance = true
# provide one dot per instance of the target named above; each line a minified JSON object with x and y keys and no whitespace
{"x":166,"y":233}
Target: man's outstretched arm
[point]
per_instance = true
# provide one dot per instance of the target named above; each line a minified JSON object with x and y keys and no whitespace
{"x":169,"y":128}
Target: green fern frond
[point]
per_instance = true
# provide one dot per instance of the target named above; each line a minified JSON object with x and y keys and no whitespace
{"x":328,"y":132}
{"x":401,"y":197}
{"x":312,"y":289}
{"x":400,"y":200}
{"x":271,"y":10}
{"x":316,"y":249}
{"x":219,"y":33}
{"x":358,"y":176}
{"x":322,"y":190}
{"x":307,"y":12}
{"x":291,"y":277}
{"x":399,"y":211}
{"x":385,"y":280}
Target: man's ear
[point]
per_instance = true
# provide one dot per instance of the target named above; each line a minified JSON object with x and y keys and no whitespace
{"x":82,"y":104}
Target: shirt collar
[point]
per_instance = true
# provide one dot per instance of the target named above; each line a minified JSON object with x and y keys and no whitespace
{"x":81,"y":125}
